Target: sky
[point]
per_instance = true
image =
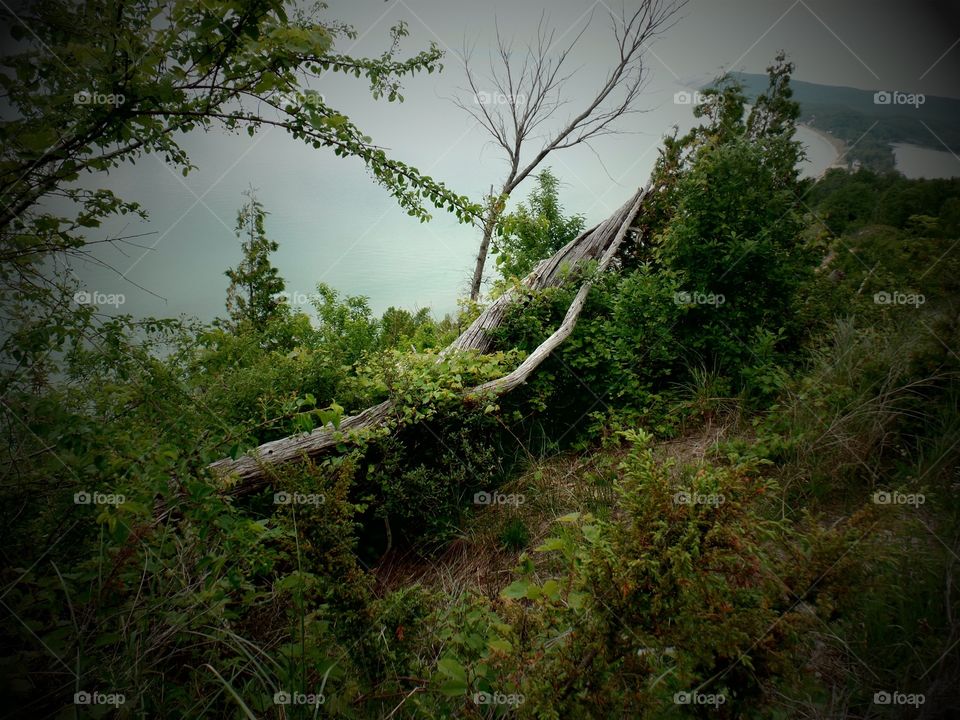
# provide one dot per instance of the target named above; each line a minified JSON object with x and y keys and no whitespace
{"x":335,"y":225}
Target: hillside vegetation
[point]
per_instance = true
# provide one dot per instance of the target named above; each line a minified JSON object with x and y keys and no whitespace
{"x":731,"y":493}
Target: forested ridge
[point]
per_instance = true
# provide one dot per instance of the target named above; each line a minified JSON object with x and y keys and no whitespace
{"x":731,"y":490}
{"x":871,"y":123}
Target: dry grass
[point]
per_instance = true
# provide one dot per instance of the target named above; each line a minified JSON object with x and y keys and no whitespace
{"x":697,"y":446}
{"x":477,"y":559}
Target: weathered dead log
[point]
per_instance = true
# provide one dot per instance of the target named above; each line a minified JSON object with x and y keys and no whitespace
{"x":251,"y":471}
{"x":519,"y":375}
{"x":588,"y":245}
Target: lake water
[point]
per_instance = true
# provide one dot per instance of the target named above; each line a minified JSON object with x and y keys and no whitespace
{"x":916,"y":162}
{"x":334,"y":225}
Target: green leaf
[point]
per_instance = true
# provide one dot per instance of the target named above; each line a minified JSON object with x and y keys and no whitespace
{"x":521,"y":589}
{"x":515,"y":590}
{"x":452,"y":688}
{"x":551,"y":544}
{"x":500,"y":645}
{"x":591,"y":533}
{"x":453,"y":669}
{"x":551,"y":588}
{"x":303,"y":422}
{"x":133,"y":508}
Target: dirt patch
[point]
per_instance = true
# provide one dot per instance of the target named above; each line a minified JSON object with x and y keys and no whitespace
{"x":695,"y":447}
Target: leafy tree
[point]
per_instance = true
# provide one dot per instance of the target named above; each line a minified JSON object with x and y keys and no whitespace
{"x":255,"y":282}
{"x":773,"y":120}
{"x":399,"y":327}
{"x":348,"y":328}
{"x":723,"y":109}
{"x":660,"y":203}
{"x":771,"y":124}
{"x":89,"y":86}
{"x":534,"y":231}
{"x":735,"y":230}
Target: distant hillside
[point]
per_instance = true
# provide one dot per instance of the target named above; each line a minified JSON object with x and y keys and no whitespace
{"x":848,"y":113}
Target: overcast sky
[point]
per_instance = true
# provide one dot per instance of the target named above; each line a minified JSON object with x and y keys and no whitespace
{"x":335,"y":225}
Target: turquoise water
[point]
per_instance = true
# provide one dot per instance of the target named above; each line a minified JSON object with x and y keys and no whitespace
{"x":333,"y":224}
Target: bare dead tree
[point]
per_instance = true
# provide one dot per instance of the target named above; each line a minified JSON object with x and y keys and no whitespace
{"x":526,"y":93}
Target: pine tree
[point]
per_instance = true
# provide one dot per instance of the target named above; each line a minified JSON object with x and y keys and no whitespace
{"x":255,"y":282}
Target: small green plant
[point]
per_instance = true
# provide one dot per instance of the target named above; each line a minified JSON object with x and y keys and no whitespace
{"x":706,"y":394}
{"x":514,"y":534}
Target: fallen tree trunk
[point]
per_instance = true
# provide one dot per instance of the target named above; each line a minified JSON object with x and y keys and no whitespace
{"x":588,"y":245}
{"x":252,"y":471}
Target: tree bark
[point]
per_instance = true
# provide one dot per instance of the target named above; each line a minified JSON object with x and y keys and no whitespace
{"x":254,"y":470}
{"x":489,"y":223}
{"x":529,"y":90}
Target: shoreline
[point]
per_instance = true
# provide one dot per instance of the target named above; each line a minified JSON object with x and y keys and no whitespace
{"x":839,"y":146}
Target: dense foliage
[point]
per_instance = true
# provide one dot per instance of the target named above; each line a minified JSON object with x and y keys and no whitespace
{"x":552,"y":553}
{"x":535,"y":230}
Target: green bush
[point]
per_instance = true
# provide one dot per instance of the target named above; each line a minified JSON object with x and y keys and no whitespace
{"x":733,"y":245}
{"x":669,"y":597}
{"x":535,"y":231}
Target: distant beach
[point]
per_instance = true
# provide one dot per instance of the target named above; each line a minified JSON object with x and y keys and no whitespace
{"x":823,"y":151}
{"x":913,"y":161}
{"x":839,"y":146}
